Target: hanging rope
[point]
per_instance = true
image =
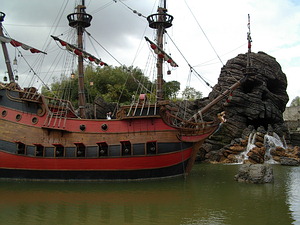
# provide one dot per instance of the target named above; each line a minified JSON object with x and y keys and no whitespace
{"x":204,"y":33}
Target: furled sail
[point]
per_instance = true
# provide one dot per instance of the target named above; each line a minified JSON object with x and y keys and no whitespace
{"x":79,"y":51}
{"x":161,"y":53}
{"x":20,"y":44}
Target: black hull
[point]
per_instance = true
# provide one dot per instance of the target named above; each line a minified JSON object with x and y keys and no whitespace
{"x":50,"y":175}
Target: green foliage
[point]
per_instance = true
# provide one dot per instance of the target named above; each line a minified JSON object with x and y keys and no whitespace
{"x":295,"y":101}
{"x":113,"y":84}
{"x":190,"y":93}
{"x":171,"y":89}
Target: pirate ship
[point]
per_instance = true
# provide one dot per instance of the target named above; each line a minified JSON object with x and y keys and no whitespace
{"x":44,"y":138}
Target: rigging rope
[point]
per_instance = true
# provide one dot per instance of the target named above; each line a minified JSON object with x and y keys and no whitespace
{"x":103,"y":48}
{"x":31,"y":69}
{"x":116,"y":60}
{"x":133,"y":10}
{"x":102,"y":7}
{"x":191,"y":68}
{"x":204,"y":33}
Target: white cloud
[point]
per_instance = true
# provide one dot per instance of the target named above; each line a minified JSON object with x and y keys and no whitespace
{"x":275,"y":26}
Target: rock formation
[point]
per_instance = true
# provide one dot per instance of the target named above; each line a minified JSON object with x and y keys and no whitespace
{"x":259,"y":146}
{"x":257,"y":174}
{"x":259,"y":102}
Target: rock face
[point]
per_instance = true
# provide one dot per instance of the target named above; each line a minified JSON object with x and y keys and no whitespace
{"x":285,"y":161}
{"x":255,"y":173}
{"x":259,"y":101}
{"x":259,"y":146}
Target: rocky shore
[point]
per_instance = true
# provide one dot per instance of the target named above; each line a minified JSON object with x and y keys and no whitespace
{"x":258,"y":146}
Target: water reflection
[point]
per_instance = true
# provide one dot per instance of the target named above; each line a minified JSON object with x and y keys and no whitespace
{"x":97,"y":203}
{"x":293,"y":193}
{"x":209,"y":196}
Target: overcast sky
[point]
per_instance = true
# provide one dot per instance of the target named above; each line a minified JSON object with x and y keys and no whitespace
{"x":275,"y":29}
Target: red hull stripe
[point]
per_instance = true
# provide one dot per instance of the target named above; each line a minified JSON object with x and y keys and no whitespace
{"x":92,"y":126}
{"x":11,"y":161}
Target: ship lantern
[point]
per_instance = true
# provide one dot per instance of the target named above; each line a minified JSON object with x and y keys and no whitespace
{"x":2,"y":15}
{"x":16,"y":75}
{"x":15,"y":62}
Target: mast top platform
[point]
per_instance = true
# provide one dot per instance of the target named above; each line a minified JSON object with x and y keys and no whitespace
{"x":80,"y":18}
{"x":160,"y":19}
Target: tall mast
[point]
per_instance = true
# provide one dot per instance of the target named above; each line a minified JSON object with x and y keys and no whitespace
{"x":249,"y":42}
{"x":160,"y":21}
{"x":80,"y":20}
{"x":5,"y":52}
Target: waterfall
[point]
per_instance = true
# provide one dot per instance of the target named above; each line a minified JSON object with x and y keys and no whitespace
{"x":251,"y":144}
{"x":271,"y":142}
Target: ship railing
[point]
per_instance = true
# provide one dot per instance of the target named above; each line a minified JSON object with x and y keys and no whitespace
{"x":187,"y":127}
{"x":138,"y":111}
{"x":58,"y":112}
{"x":15,"y":93}
{"x":140,"y":108}
{"x":30,"y":94}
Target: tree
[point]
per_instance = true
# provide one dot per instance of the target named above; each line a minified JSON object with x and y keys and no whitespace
{"x":190,"y":93}
{"x":295,"y":101}
{"x":171,"y":89}
{"x":113,"y":84}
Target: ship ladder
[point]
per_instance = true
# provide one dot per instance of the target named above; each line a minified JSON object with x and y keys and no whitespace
{"x":57,"y":118}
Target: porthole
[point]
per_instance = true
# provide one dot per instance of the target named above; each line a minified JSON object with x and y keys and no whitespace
{"x":18,"y":117}
{"x":34,"y":120}
{"x":21,"y":148}
{"x":82,"y":127}
{"x":104,"y":127}
{"x":4,"y":113}
{"x":151,"y":147}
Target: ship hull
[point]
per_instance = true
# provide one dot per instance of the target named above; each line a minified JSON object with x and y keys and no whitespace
{"x":36,"y":145}
{"x":84,"y":174}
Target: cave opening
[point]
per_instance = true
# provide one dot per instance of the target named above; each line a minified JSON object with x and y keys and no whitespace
{"x":260,"y":122}
{"x":275,"y":86}
{"x":249,"y":85}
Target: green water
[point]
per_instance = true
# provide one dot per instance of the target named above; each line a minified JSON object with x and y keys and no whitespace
{"x":208,"y":196}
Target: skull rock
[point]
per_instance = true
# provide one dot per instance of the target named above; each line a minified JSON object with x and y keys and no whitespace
{"x":259,"y":101}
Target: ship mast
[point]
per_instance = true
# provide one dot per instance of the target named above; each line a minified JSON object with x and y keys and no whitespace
{"x":249,"y":39}
{"x":80,"y":20}
{"x":248,"y":71}
{"x":5,"y":52}
{"x":160,"y":21}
